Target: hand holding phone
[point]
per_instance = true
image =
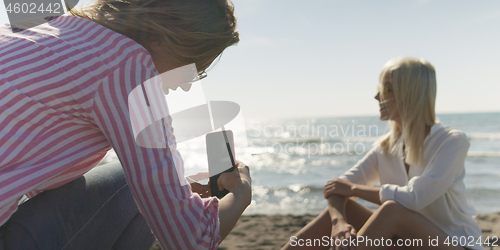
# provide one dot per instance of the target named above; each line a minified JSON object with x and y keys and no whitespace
{"x":220,"y":153}
{"x":240,"y":176}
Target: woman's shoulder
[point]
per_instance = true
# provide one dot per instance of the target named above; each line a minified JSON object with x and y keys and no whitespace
{"x":111,"y":48}
{"x":376,"y":149}
{"x":94,"y":30}
{"x":446,"y":135}
{"x":446,"y":132}
{"x":377,"y":145}
{"x":67,"y":32}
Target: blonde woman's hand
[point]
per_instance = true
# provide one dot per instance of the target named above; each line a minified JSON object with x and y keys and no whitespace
{"x":342,"y":232}
{"x":338,"y":186}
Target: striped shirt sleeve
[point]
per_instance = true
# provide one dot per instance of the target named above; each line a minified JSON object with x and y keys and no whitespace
{"x":179,"y":218}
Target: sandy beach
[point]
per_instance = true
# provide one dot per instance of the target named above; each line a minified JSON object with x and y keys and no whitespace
{"x":272,"y":232}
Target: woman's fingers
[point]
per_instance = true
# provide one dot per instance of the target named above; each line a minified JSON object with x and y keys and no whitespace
{"x":198,"y":188}
{"x":202,"y":190}
{"x":353,"y":234}
{"x":342,"y":235}
{"x":229,"y":180}
{"x":347,"y":236}
{"x":239,"y":176}
{"x":209,"y":192}
{"x":244,"y":171}
{"x":329,"y":190}
{"x":340,"y":247}
{"x":338,"y":186}
{"x":220,"y":181}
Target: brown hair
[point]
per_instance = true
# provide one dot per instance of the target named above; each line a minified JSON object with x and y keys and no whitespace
{"x":193,"y":31}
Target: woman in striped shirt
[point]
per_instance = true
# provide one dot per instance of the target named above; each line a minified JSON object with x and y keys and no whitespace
{"x":64,"y":102}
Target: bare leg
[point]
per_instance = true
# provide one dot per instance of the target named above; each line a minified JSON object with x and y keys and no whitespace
{"x":321,"y":226}
{"x":392,"y":219}
{"x":357,"y":214}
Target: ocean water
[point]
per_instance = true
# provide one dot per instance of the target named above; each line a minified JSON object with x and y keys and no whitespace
{"x":292,"y":159}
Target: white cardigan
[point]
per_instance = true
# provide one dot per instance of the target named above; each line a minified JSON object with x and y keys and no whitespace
{"x":435,"y":190}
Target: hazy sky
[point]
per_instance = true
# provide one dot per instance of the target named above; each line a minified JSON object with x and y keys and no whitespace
{"x":322,"y":57}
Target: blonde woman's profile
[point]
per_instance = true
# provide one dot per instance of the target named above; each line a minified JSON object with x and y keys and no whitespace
{"x":419,"y":165}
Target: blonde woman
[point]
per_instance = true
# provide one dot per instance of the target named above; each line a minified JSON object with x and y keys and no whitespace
{"x":64,"y":103}
{"x":420,"y":167}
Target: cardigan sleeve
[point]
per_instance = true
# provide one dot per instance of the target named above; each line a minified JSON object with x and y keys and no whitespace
{"x":179,"y":218}
{"x":439,"y":174}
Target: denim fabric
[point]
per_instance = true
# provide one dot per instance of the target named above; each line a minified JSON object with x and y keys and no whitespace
{"x":95,"y":211}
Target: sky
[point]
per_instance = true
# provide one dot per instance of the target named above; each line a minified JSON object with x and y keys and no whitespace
{"x":322,"y":58}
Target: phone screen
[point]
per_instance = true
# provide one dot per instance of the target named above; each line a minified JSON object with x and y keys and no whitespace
{"x":220,"y":153}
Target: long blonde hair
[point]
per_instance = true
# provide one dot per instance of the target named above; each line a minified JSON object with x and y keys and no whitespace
{"x":414,"y":87}
{"x":193,"y":31}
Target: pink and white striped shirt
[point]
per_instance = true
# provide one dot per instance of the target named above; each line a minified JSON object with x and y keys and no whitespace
{"x":64,"y":87}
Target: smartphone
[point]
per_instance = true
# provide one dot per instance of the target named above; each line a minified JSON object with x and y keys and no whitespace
{"x":220,"y":154}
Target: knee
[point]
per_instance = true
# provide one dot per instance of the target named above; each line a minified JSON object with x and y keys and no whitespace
{"x":390,"y":204}
{"x":390,"y":213}
{"x":392,"y":209}
{"x":109,"y":176}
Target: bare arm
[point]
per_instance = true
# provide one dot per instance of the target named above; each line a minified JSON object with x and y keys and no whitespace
{"x":348,"y":189}
{"x":237,"y":200}
{"x":367,"y":193}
